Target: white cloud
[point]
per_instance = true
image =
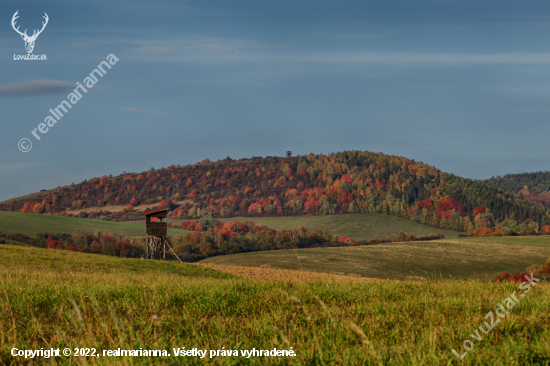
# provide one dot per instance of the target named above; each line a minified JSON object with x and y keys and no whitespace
{"x":35,"y":87}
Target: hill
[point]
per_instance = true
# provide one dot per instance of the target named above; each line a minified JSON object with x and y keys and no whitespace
{"x":346,"y":182}
{"x":360,"y":227}
{"x":463,"y":257}
{"x":30,"y":224}
{"x":533,"y":186}
{"x":107,"y":303}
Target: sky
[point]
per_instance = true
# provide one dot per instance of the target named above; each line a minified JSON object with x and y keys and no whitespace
{"x":461,"y":85}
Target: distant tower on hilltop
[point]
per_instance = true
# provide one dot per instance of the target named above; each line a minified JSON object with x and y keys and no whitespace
{"x":289,"y":154}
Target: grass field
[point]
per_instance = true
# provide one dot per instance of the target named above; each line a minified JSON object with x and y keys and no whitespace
{"x":30,"y":224}
{"x":58,"y":299}
{"x":357,"y":226}
{"x":407,"y":260}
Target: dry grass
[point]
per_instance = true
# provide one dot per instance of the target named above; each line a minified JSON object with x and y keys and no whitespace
{"x":447,"y":258}
{"x":55,"y":299}
{"x":272,"y":274}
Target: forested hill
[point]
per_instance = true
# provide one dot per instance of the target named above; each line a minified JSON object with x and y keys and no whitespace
{"x":339,"y":183}
{"x":533,"y":186}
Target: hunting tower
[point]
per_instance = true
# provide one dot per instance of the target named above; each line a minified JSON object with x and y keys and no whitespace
{"x":157,"y":229}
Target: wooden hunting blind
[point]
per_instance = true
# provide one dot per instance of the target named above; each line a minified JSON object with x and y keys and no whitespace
{"x":156,"y":222}
{"x":157,"y":229}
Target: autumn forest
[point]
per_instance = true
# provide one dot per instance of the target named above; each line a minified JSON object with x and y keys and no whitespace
{"x":348,"y":182}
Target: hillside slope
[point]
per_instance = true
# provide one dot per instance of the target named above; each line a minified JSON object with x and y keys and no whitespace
{"x":30,"y":224}
{"x":533,"y":186}
{"x":360,"y":227}
{"x":346,"y":182}
{"x":446,"y":258}
{"x":74,"y":300}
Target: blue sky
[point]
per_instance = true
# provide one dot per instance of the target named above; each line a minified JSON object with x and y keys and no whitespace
{"x":461,"y":85}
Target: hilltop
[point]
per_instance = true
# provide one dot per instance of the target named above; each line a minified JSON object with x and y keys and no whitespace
{"x":345,"y":182}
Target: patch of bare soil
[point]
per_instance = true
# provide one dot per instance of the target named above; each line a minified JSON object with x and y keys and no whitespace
{"x":273,"y":274}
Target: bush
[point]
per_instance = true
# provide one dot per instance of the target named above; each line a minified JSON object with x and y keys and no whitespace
{"x":511,"y":277}
{"x":20,"y":238}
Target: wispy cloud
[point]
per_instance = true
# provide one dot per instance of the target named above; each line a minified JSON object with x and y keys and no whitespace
{"x":35,"y":87}
{"x":255,"y":52}
{"x":136,"y":110}
{"x":170,"y":50}
{"x":445,"y":58}
{"x":155,"y":50}
{"x":209,"y":47}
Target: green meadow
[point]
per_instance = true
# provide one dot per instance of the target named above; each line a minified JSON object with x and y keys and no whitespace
{"x":30,"y":224}
{"x":445,"y":258}
{"x":58,"y":299}
{"x":356,"y":226}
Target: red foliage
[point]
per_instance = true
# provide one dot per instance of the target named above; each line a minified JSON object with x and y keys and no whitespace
{"x":237,"y":227}
{"x":291,"y":192}
{"x":342,"y":196}
{"x":164,"y":204}
{"x":343,"y":239}
{"x":311,"y":206}
{"x":448,"y":204}
{"x":178,"y":212}
{"x":427,"y":204}
{"x":479,"y":210}
{"x":346,"y":178}
{"x":27,"y":208}
{"x":512,"y":277}
{"x":51,"y":243}
{"x":190,"y":225}
{"x":260,"y":228}
{"x":255,"y":207}
{"x":483,"y":232}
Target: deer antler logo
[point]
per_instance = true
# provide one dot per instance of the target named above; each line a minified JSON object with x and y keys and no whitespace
{"x":29,"y":41}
